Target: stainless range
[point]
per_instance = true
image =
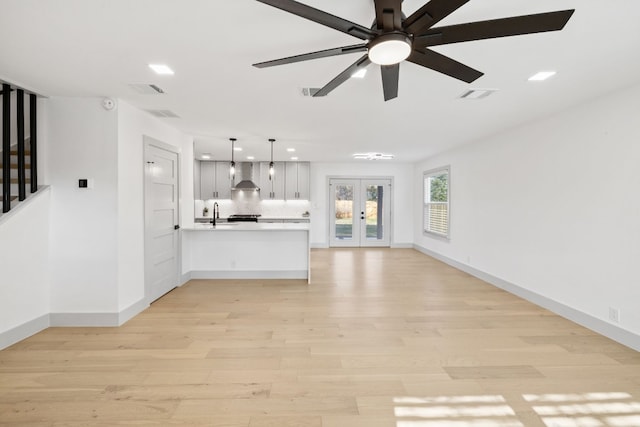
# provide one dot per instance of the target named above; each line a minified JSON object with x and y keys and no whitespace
{"x":243,"y":218}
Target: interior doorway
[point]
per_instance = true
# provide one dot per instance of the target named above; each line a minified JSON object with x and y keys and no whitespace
{"x":360,"y":212}
{"x":161,"y":211}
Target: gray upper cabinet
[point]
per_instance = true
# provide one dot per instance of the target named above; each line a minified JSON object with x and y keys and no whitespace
{"x":215,"y":182}
{"x":223,"y":181}
{"x":272,"y":189}
{"x":297,"y":181}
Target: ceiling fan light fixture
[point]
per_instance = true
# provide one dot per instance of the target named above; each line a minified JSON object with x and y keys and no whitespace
{"x":390,"y":49}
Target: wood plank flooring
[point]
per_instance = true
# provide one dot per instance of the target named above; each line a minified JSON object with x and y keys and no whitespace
{"x":380,"y":338}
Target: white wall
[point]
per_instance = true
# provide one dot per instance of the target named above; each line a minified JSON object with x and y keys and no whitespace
{"x":552,"y":207}
{"x":24,"y":251}
{"x":97,"y":244}
{"x":132,"y":125}
{"x":401,"y":215}
{"x":82,"y":139}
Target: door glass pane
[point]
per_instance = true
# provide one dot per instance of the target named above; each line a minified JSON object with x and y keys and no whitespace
{"x":344,"y":212}
{"x":374,"y":209}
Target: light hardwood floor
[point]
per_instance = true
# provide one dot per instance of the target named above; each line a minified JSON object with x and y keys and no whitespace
{"x":380,"y":338}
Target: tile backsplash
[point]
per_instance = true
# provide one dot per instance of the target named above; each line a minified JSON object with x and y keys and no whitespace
{"x":249,"y":204}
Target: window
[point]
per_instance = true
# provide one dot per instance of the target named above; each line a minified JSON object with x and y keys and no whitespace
{"x":436,"y":202}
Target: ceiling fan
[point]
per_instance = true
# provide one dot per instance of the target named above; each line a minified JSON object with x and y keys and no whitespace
{"x":393,"y":38}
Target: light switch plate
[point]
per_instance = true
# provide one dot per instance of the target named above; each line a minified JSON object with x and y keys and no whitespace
{"x":85,"y":183}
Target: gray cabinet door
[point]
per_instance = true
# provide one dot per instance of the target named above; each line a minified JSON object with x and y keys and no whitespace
{"x":207,"y":180}
{"x":215,"y":182}
{"x":303,"y":180}
{"x":223,"y":181}
{"x":272,"y":189}
{"x":297,"y":181}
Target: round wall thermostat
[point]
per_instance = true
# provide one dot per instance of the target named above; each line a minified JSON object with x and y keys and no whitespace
{"x":108,"y":104}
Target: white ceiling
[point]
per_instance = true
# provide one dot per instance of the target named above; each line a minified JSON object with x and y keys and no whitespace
{"x":99,"y":47}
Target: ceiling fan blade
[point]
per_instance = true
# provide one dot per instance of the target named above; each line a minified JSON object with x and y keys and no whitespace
{"x":390,"y":77}
{"x":514,"y":26}
{"x":313,"y":55}
{"x":444,"y":65}
{"x":430,"y":14}
{"x":322,"y":18}
{"x":388,"y":14}
{"x":344,"y":76}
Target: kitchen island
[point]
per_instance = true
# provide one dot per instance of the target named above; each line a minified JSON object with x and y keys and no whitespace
{"x":245,"y":250}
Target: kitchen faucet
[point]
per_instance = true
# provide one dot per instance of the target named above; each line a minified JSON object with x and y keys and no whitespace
{"x":215,"y":214}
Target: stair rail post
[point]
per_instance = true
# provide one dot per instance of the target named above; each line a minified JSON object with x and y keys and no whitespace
{"x":33,"y":153}
{"x":6,"y":148}
{"x":22,"y":178}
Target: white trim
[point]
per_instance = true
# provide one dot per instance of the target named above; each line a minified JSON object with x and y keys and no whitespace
{"x":98,"y":319}
{"x":24,"y":331}
{"x":402,"y":246}
{"x":83,"y":319}
{"x":600,"y":326}
{"x":184,"y":278}
{"x":319,"y":245}
{"x":132,"y":311}
{"x":249,"y":274}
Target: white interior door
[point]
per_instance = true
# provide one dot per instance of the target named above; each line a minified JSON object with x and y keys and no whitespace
{"x":360,"y":212}
{"x":161,"y":219}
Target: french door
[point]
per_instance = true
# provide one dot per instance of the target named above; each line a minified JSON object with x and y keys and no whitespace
{"x":360,"y":212}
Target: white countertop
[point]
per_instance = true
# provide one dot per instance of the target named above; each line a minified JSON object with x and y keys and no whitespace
{"x":248,"y":226}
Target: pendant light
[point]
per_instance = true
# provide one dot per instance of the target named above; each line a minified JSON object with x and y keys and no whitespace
{"x":272,"y":170}
{"x":232,"y":166}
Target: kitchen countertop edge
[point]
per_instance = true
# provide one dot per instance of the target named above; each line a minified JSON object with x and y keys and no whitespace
{"x":248,"y":226}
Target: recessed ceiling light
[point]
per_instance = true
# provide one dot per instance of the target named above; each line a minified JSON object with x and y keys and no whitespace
{"x":205,"y":156}
{"x":359,"y":74}
{"x":237,"y":148}
{"x":373,"y":156}
{"x":162,"y":69}
{"x":291,"y":150}
{"x":250,"y":157}
{"x":541,"y":76}
{"x":294,"y":158}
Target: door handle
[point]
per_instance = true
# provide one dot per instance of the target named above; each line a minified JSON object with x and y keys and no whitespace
{"x":176,"y":227}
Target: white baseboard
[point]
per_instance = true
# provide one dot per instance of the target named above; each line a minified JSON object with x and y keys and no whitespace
{"x":84,"y":319}
{"x":402,"y":245}
{"x":600,"y":326}
{"x":21,"y":332}
{"x":185,"y":278}
{"x":248,"y":274}
{"x":130,"y":312}
{"x":319,"y":245}
{"x":97,"y":319}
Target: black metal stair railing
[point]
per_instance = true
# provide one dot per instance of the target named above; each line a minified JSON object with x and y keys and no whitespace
{"x":21,"y":151}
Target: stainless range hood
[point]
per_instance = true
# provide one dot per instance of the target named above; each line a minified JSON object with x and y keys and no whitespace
{"x":245,"y":171}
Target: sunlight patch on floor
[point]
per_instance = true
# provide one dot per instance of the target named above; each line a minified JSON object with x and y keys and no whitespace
{"x":611,"y":409}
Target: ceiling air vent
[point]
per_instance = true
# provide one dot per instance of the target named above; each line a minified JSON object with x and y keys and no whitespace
{"x":146,"y":89}
{"x":165,"y":114}
{"x":309,"y":91}
{"x":477,"y":93}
